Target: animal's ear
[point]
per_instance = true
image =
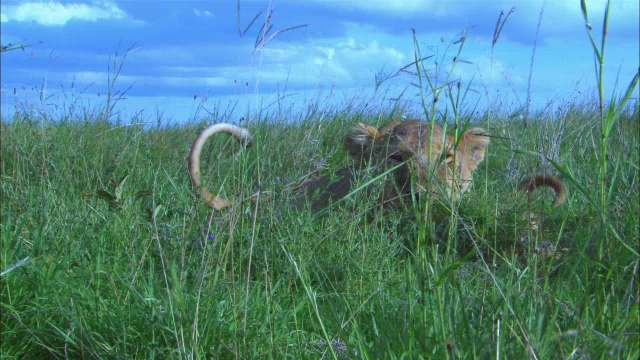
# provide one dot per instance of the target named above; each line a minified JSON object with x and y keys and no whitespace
{"x":359,"y":141}
{"x":473,"y":147}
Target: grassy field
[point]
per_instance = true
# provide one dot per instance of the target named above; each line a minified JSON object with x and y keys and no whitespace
{"x":107,"y":252}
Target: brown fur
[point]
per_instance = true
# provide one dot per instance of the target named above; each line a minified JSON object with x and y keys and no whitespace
{"x":530,"y":184}
{"x":418,"y":148}
{"x":421,"y":155}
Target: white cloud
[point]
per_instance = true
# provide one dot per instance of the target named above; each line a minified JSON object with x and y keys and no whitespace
{"x":624,"y":8}
{"x":485,"y":72}
{"x":56,"y":14}
{"x":340,"y":61}
{"x":402,"y":6}
{"x":199,"y":12}
{"x":559,"y":16}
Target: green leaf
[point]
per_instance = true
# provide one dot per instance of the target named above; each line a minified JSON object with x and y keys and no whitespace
{"x":583,"y":6}
{"x":448,"y":271}
{"x":610,"y":118}
{"x":119,"y":188}
{"x":156,"y":211}
{"x":142,"y":193}
{"x":105,"y":195}
{"x":628,"y":94}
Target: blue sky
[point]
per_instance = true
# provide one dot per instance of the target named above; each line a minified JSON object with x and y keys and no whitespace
{"x":188,"y":58}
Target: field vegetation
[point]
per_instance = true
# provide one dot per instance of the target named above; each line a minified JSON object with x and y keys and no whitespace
{"x":108,"y":252}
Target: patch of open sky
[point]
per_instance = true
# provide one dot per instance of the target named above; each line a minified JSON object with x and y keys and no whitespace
{"x":190,"y":59}
{"x":284,"y":106}
{"x":287,"y":106}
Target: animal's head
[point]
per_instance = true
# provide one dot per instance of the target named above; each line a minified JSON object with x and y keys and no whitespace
{"x":464,"y":157}
{"x":422,"y":149}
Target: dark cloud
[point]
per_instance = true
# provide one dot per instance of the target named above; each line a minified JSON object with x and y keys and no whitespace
{"x":186,"y":48}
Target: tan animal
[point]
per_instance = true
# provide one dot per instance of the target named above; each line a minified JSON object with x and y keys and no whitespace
{"x":432,"y":156}
{"x":535,"y":182}
{"x":418,"y":156}
{"x":194,"y":160}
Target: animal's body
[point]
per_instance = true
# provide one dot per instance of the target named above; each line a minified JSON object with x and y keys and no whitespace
{"x":418,"y":155}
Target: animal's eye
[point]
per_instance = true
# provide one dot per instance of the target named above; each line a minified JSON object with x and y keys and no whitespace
{"x":446,"y":158}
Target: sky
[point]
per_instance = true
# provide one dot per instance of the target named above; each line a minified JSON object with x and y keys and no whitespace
{"x":185,"y":60}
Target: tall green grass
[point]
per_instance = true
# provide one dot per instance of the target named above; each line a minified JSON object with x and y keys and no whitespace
{"x":107,"y":251}
{"x":155,"y":273}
